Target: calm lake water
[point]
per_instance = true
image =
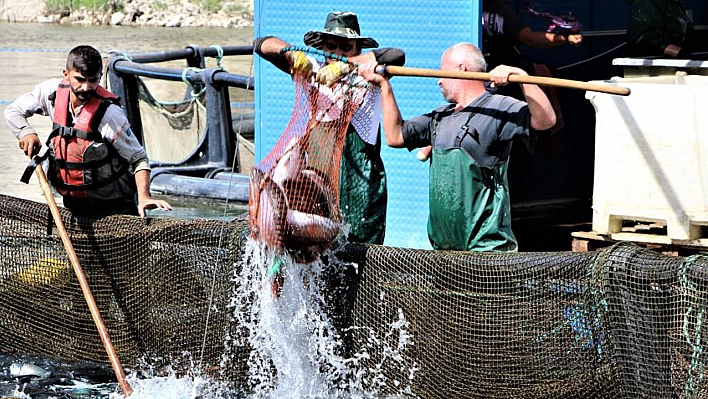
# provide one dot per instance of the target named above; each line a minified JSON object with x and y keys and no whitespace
{"x":31,"y":53}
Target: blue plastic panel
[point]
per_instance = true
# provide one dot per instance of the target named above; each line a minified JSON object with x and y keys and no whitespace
{"x":424,"y":29}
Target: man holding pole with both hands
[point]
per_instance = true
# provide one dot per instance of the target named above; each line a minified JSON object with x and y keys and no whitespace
{"x":471,"y":139}
{"x":96,"y":162}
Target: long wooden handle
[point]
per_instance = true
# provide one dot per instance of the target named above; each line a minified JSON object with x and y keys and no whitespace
{"x":95,"y":314}
{"x":537,"y":80}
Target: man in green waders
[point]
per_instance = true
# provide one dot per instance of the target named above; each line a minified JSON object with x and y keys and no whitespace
{"x":471,"y":139}
{"x":362,"y":181}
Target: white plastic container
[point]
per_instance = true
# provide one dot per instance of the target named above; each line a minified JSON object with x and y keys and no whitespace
{"x":651,"y":156}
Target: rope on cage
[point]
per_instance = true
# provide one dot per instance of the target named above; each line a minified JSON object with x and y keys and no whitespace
{"x":697,"y":365}
{"x":219,"y":54}
{"x":185,"y":72}
{"x":117,"y":53}
{"x":122,"y":54}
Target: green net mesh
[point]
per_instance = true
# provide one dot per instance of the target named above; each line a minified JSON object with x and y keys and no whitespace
{"x":623,"y":322}
{"x":186,"y":120}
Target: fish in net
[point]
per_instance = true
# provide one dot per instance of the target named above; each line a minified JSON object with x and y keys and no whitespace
{"x":294,"y":190}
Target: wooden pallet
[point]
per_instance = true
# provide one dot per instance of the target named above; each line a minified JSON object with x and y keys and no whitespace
{"x":591,"y":241}
{"x":677,"y":227}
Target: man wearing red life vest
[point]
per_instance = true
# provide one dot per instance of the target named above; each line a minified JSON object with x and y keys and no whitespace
{"x":96,"y":162}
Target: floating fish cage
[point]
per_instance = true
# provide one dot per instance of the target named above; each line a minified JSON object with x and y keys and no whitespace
{"x":621,"y":322}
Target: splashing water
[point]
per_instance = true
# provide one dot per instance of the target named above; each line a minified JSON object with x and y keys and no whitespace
{"x":168,"y":385}
{"x":296,"y":350}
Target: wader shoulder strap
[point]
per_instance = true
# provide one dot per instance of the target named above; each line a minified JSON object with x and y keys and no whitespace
{"x":465,"y":129}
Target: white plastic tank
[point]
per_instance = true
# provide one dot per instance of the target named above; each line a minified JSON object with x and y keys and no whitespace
{"x":651,"y":155}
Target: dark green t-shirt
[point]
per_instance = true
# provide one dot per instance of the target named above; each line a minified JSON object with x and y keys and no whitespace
{"x":654,"y":24}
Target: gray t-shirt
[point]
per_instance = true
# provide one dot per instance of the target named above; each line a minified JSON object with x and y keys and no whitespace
{"x":485,"y":128}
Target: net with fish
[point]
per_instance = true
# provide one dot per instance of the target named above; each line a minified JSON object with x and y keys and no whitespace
{"x":624,"y":322}
{"x":294,"y":192}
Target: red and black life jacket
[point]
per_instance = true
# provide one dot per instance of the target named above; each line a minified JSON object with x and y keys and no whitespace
{"x":83,"y":165}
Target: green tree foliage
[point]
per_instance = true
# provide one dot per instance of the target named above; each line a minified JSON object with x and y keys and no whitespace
{"x":70,"y":5}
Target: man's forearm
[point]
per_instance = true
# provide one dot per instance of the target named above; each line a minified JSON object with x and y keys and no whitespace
{"x":142,"y":182}
{"x":547,"y":39}
{"x":270,"y":46}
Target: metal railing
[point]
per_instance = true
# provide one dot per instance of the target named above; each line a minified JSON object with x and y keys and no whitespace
{"x":218,"y":149}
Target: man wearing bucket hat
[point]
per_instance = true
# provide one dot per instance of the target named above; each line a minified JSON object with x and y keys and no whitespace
{"x":339,"y":24}
{"x":362,"y":179}
{"x":362,"y":188}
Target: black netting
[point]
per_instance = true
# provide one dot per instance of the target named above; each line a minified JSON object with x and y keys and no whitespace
{"x":624,"y":322}
{"x":152,"y":279}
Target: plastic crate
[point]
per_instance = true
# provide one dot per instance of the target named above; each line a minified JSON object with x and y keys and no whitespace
{"x":651,"y":155}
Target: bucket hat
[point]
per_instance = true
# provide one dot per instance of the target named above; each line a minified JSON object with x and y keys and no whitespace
{"x":341,"y":24}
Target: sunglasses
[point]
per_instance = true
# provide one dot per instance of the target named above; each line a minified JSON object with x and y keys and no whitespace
{"x":331,"y":46}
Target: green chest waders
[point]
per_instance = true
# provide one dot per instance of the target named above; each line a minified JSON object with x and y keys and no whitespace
{"x":362,"y":190}
{"x":469,"y":205}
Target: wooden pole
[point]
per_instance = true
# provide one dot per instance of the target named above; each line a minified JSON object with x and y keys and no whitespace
{"x":537,"y":80}
{"x":95,"y":314}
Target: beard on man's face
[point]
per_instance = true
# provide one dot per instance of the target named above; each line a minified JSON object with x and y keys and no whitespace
{"x":446,"y":95}
{"x":82,"y":95}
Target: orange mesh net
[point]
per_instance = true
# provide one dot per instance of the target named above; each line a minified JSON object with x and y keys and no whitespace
{"x":294,"y":191}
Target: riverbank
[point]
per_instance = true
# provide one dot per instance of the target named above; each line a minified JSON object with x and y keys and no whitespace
{"x":166,"y":13}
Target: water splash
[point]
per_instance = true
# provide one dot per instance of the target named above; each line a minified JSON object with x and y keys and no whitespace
{"x":296,"y":351}
{"x":171,"y":387}
{"x":298,"y":346}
